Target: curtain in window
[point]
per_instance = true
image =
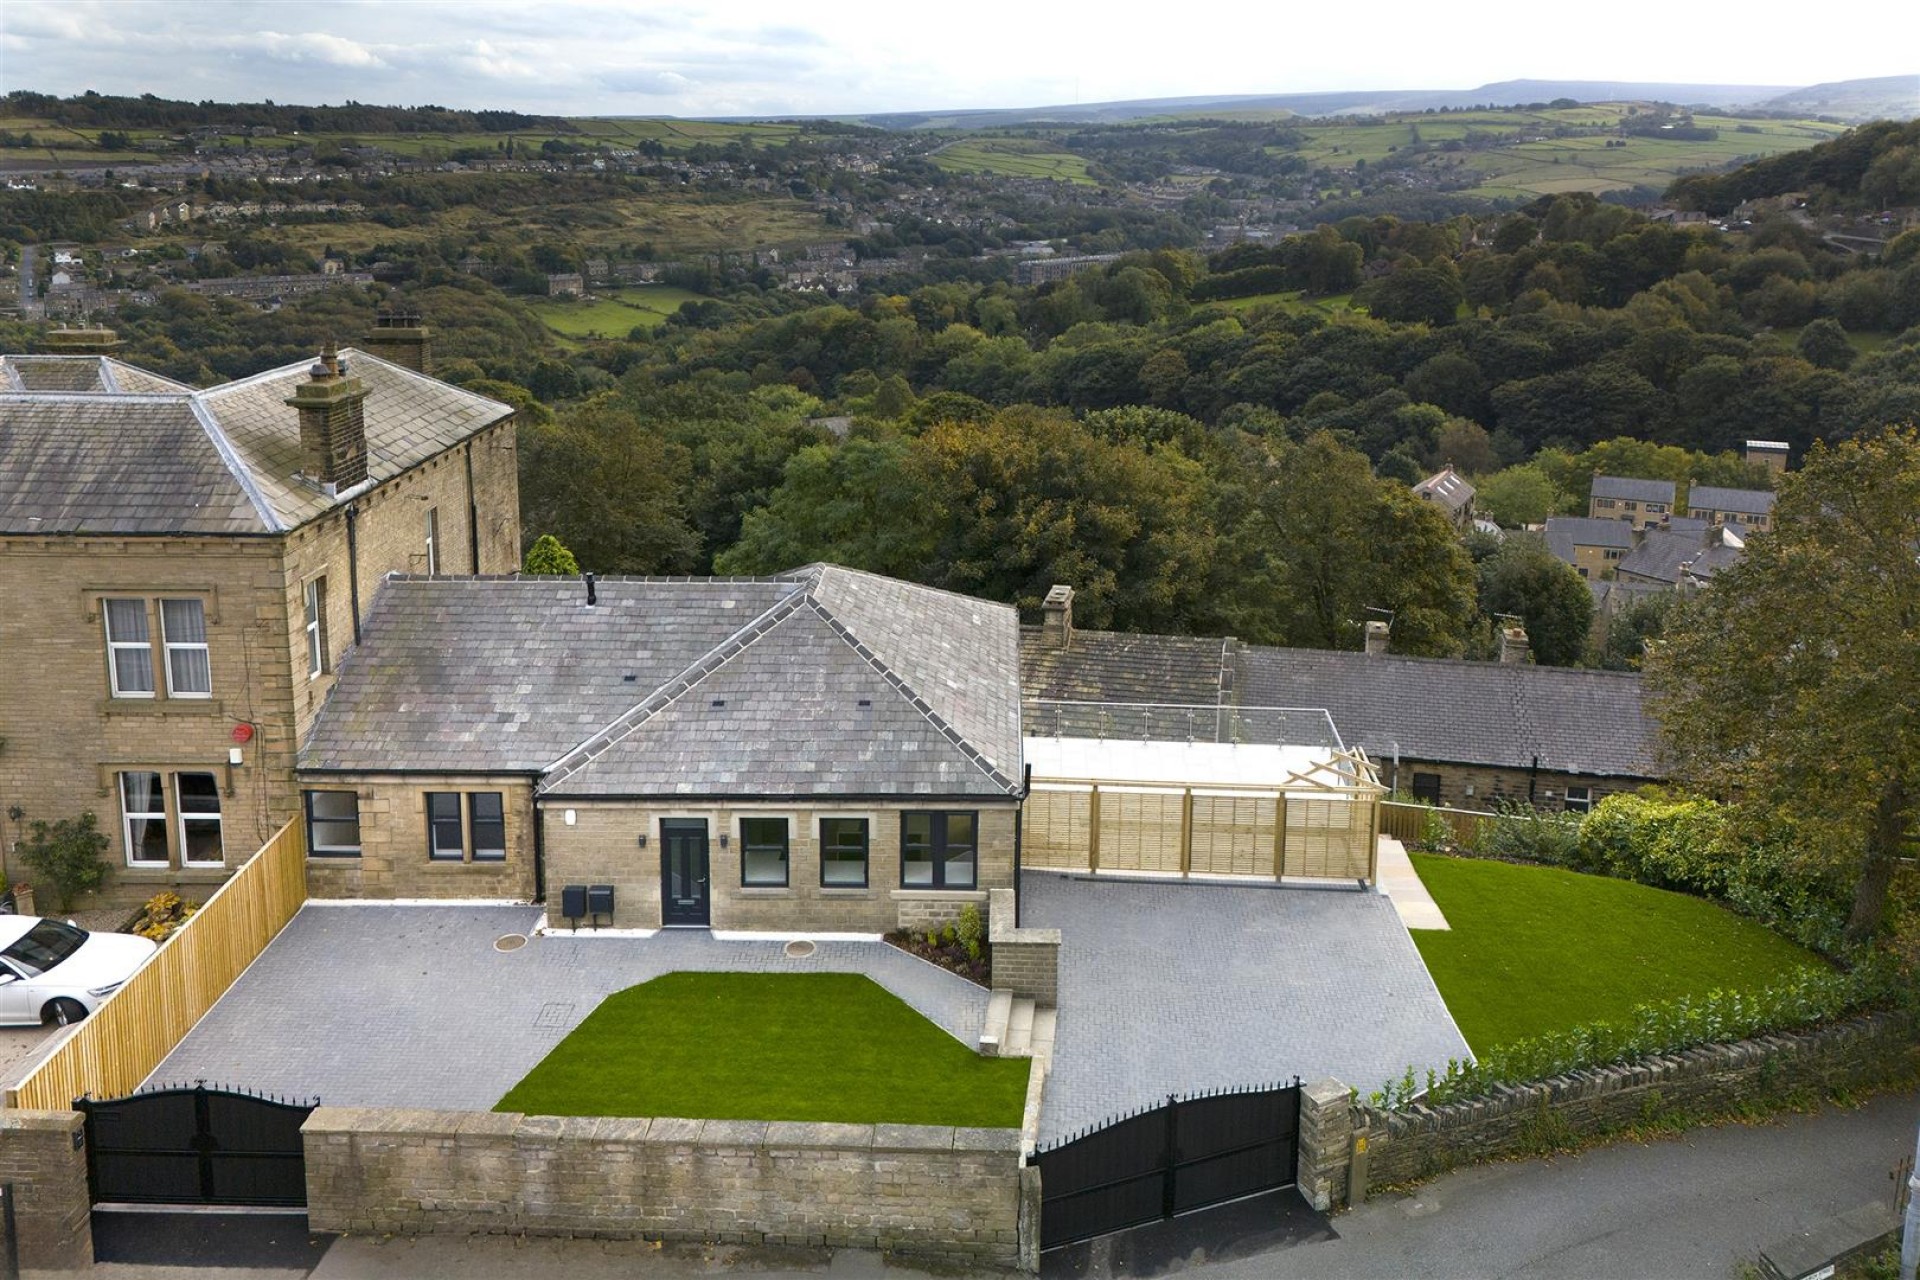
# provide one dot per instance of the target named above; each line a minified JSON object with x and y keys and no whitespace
{"x":130,"y":646}
{"x":184,"y":624}
{"x":145,"y":808}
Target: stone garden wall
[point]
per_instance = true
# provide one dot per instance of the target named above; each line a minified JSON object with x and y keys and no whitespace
{"x":952,"y":1194}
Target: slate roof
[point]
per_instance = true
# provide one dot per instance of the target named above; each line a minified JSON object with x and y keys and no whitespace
{"x":1116,"y":666}
{"x":1446,"y":487}
{"x":1661,"y":554}
{"x":703,"y":686}
{"x":1444,"y":710}
{"x":89,"y":444}
{"x":1564,"y":533}
{"x":1706,"y":497}
{"x":1485,"y":713}
{"x":1631,"y":489}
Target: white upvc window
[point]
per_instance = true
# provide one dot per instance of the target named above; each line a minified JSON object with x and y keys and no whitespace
{"x":316,"y":626}
{"x":183,"y":627}
{"x":1579,"y":800}
{"x":433,"y":540}
{"x":143,"y":806}
{"x":197,"y":799}
{"x":129,"y":648}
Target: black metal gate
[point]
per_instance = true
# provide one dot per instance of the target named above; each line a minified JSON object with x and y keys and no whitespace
{"x":196,"y":1145}
{"x":1187,"y":1153}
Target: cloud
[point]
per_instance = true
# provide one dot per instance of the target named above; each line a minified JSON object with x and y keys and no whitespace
{"x":645,"y":80}
{"x":308,"y":47}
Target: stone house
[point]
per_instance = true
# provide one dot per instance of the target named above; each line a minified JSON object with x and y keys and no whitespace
{"x":1449,"y":490}
{"x":824,"y":750}
{"x":183,"y":569}
{"x":1592,"y":546}
{"x":1638,"y":502}
{"x":1465,"y":734}
{"x":1752,"y":508}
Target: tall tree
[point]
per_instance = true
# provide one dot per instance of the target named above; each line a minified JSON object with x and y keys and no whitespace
{"x":1791,"y":686}
{"x":1552,"y":601}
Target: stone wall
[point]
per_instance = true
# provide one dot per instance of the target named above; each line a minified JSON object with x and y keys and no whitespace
{"x":43,"y":1159}
{"x":1025,"y":961}
{"x":393,"y":861}
{"x":1711,"y":1080}
{"x":1483,"y":787}
{"x":952,"y":1194}
{"x":599,"y":843}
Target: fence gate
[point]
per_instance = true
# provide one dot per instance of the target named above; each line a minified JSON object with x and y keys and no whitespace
{"x":1185,"y":1154}
{"x":195,"y":1146}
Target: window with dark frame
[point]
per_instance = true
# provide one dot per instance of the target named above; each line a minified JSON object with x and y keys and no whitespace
{"x":1426,"y":787}
{"x":333,"y":824}
{"x":843,"y":853}
{"x":763,"y":852}
{"x":489,"y":822}
{"x":446,"y":842}
{"x":939,"y":850}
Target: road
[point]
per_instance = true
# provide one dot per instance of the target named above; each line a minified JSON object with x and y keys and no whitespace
{"x":1698,"y":1205}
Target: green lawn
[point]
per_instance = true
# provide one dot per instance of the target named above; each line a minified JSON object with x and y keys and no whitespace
{"x":1292,"y":300}
{"x":1537,"y":949}
{"x":611,"y":313}
{"x":770,"y":1046}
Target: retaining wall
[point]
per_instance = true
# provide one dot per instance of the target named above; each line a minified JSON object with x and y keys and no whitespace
{"x":952,"y":1194}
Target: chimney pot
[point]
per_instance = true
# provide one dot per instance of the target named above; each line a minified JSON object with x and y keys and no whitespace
{"x":1056,"y":617}
{"x":1378,"y":634}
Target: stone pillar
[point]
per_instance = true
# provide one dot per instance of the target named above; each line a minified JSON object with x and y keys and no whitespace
{"x":1326,"y":1142}
{"x":43,"y":1162}
{"x":1025,"y":961}
{"x":1056,"y":617}
{"x":1029,"y":1258}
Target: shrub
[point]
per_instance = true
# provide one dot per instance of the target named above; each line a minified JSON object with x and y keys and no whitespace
{"x":971,"y":930}
{"x":1665,"y":1027}
{"x":164,"y":913}
{"x":548,"y":556}
{"x":1523,"y":833}
{"x":69,"y":854}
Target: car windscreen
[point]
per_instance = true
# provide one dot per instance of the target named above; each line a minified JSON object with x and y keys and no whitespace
{"x":44,"y":946}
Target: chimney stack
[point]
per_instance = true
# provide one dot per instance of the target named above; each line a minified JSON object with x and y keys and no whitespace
{"x":333,"y":424}
{"x":1056,"y":618}
{"x":1377,"y":635}
{"x":401,"y":337}
{"x":82,"y":342}
{"x":1514,"y":646}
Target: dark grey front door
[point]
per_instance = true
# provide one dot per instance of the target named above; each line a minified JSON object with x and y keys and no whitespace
{"x":683,"y":871}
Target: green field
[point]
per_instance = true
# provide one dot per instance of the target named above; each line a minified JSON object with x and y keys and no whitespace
{"x":1013,"y":158}
{"x":831,"y":1047}
{"x":1537,"y":949}
{"x":1292,"y":300}
{"x":1513,"y":153}
{"x":611,"y":313}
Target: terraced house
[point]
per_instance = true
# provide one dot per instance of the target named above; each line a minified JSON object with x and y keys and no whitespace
{"x":182,"y":569}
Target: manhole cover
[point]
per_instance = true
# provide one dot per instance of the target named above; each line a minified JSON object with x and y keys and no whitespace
{"x":799,"y":950}
{"x":510,"y":942}
{"x":554,"y":1015}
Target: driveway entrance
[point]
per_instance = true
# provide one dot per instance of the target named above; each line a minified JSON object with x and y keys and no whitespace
{"x":1169,"y":987}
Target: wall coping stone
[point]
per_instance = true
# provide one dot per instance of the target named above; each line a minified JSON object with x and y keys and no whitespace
{"x":1000,"y":927}
{"x":663,"y":1130}
{"x":41,"y":1121}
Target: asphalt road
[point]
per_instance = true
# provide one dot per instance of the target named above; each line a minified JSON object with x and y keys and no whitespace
{"x":1698,"y":1205}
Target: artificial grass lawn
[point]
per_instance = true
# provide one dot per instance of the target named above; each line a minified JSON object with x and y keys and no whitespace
{"x":1537,"y":949}
{"x":769,"y":1046}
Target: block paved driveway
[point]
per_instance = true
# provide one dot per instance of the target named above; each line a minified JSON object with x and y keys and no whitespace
{"x":411,"y":1006}
{"x":1178,"y":987}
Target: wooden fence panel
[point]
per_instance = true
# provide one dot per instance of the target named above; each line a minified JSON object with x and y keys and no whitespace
{"x":1055,"y":830}
{"x":1407,"y":823}
{"x":1329,"y":839}
{"x":1140,"y":830}
{"x":134,"y":1030}
{"x":1233,"y":835}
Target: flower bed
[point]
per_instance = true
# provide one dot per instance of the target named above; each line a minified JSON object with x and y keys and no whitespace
{"x":946,"y":951}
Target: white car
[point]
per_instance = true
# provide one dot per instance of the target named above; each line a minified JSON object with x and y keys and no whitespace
{"x":58,"y":973}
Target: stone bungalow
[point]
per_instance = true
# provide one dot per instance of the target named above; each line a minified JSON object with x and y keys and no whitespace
{"x":820,"y":751}
{"x":181,"y":571}
{"x":1464,"y":734}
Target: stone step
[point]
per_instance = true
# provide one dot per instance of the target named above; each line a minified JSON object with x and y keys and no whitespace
{"x":1019,"y":1042}
{"x":993,"y":1036}
{"x":1044,"y":1021}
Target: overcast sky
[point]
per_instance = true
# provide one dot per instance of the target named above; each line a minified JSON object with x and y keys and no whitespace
{"x":762,"y":57}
